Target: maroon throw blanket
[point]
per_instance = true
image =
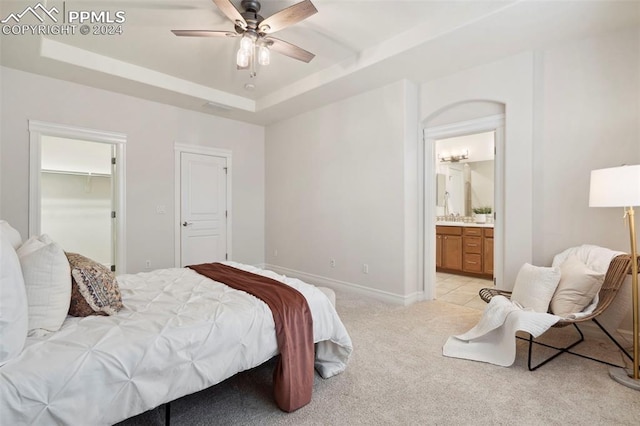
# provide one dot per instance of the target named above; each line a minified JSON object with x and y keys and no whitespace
{"x":294,"y":372}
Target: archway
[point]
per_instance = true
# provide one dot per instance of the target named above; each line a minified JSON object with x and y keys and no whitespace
{"x":456,"y":120}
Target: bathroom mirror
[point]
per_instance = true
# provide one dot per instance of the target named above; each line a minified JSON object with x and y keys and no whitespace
{"x":440,"y":189}
{"x":464,"y":174}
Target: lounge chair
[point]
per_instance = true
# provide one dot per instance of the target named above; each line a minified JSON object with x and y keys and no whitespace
{"x":618,"y":269}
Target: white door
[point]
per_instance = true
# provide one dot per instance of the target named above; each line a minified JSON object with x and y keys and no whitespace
{"x":203,"y":213}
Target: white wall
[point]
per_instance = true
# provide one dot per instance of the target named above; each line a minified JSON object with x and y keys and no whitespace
{"x":336,"y":175}
{"x":570,"y":108}
{"x":590,"y":109}
{"x":589,"y":113}
{"x":509,"y":82}
{"x":335,"y":190}
{"x":151,"y":129}
{"x":76,"y":213}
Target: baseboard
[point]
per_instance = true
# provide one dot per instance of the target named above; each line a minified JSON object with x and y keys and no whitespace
{"x":334,"y":284}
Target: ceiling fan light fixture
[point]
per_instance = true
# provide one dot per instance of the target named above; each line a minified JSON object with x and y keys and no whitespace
{"x":264,"y":56}
{"x":242,"y":58}
{"x":246,"y":43}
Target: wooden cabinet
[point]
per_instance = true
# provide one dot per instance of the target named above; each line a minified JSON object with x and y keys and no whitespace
{"x":464,"y":249}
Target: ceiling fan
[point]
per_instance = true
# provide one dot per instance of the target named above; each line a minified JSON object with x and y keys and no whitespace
{"x":256,"y":41}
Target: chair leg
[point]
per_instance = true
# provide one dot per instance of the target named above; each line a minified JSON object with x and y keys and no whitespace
{"x":624,"y":351}
{"x":567,"y":349}
{"x":560,"y":350}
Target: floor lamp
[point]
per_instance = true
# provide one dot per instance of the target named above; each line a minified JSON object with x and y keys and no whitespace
{"x":620,"y":187}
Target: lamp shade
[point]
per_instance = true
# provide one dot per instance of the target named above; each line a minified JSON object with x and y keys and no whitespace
{"x":615,"y":187}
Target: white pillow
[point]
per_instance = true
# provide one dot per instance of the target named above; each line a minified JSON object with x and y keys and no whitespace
{"x":11,"y":234}
{"x":534,"y":287}
{"x":577,"y":288}
{"x":13,"y":303}
{"x":47,"y":278}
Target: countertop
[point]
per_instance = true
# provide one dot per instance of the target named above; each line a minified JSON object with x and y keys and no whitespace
{"x":465,"y":224}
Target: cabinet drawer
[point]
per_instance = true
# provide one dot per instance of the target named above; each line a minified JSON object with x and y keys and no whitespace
{"x":488,"y":232}
{"x":449,"y":230}
{"x":472,"y":263}
{"x":472,"y":245}
{"x":476,"y":232}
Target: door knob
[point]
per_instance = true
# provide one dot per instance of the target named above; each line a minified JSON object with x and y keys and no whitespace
{"x":185,"y":223}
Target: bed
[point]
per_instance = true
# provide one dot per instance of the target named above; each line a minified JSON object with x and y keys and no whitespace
{"x":178,"y":332}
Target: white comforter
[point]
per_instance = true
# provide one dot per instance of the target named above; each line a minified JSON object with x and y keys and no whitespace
{"x":178,"y":333}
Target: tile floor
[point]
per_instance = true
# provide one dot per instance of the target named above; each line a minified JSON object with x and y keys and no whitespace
{"x":460,"y":290}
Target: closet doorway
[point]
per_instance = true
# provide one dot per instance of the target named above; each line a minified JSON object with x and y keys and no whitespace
{"x":77,"y":191}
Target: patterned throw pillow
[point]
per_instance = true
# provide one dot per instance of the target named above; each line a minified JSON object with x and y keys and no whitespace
{"x":94,"y":289}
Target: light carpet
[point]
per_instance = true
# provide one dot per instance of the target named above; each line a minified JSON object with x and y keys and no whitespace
{"x":397,"y":375}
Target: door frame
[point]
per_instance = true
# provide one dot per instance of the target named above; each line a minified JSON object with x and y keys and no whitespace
{"x":430,"y":135}
{"x":37,"y":129}
{"x":201,"y":150}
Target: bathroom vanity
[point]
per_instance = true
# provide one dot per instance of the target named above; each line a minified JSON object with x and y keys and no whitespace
{"x":464,"y":248}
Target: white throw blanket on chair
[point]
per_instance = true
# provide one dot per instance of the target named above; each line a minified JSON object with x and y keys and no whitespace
{"x":493,"y":340}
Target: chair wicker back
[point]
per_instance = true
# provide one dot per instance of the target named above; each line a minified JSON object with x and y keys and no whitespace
{"x":619,"y":268}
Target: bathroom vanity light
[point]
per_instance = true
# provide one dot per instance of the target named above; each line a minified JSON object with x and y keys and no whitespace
{"x":454,"y":158}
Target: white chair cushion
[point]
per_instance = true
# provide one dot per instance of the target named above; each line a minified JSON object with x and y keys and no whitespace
{"x":13,"y":303}
{"x":578,"y":286}
{"x":47,"y":278}
{"x":534,"y":287}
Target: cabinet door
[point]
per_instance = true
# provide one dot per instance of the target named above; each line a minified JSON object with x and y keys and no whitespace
{"x":438,"y":251}
{"x":452,"y":252}
{"x":488,"y":256}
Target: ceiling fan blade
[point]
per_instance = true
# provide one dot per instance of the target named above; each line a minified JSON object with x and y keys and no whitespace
{"x":288,"y":16}
{"x":231,"y":12}
{"x":203,"y":33}
{"x":289,"y":49}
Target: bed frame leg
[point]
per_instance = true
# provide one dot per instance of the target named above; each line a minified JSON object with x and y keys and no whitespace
{"x":167,"y":414}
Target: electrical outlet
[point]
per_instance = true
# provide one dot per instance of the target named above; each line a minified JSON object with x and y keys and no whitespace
{"x":147,"y":264}
{"x":365,"y":268}
{"x":332,"y":262}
